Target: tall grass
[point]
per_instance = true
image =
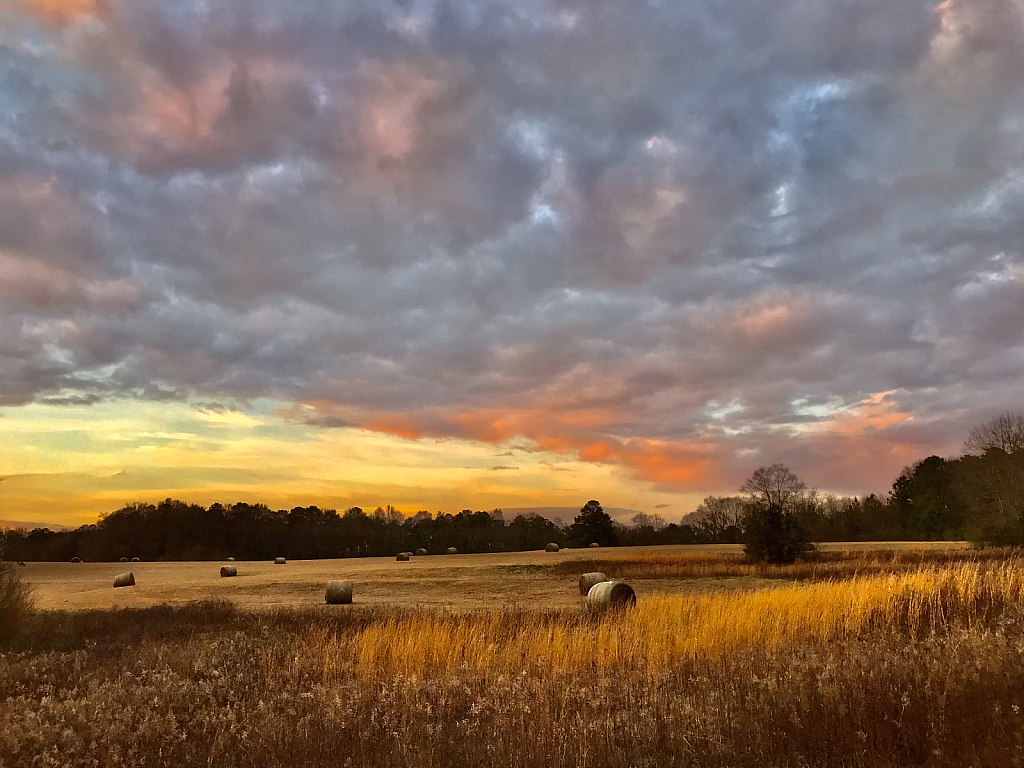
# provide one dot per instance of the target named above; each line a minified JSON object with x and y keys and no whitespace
{"x":819,"y":567}
{"x":664,"y":629}
{"x":16,"y":603}
{"x":914,"y":669}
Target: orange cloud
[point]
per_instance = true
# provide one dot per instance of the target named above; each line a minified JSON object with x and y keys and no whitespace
{"x":672,"y":463}
{"x":874,"y":413}
{"x":596,"y":452}
{"x":61,"y":12}
{"x":399,"y":426}
{"x":588,"y":435}
{"x":678,"y":464}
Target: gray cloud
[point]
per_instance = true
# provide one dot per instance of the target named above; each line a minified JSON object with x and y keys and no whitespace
{"x":592,"y":228}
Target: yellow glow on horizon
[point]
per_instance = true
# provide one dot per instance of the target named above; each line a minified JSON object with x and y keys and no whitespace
{"x":68,"y":464}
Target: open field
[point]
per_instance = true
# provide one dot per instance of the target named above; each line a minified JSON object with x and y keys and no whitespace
{"x":458,"y":582}
{"x":899,"y":656}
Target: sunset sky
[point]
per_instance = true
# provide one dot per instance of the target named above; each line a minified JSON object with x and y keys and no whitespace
{"x":485,"y":254}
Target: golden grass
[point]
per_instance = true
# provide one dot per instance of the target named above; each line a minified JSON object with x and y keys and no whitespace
{"x":916,"y":668}
{"x":827,"y":564}
{"x":665,"y":629}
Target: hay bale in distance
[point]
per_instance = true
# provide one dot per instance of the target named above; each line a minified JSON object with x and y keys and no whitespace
{"x":402,"y":557}
{"x":338,"y":592}
{"x":420,"y":552}
{"x":451,"y":551}
{"x":124,"y":580}
{"x":76,"y":559}
{"x":594,"y":545}
{"x":231,"y":559}
{"x":124,"y":559}
{"x":228,"y":570}
{"x":279,"y":561}
{"x":611,"y":594}
{"x":552,"y":547}
{"x":136,"y":560}
{"x":587,"y":580}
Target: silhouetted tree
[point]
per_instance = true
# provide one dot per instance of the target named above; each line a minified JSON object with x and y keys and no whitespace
{"x":771,"y":531}
{"x":593,"y":524}
{"x":1005,"y":432}
{"x":926,"y":497}
{"x":717,"y":520}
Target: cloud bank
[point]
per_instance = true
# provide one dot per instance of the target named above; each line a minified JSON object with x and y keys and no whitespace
{"x":682,"y":238}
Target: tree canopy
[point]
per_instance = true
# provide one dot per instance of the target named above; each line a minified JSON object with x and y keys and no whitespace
{"x":593,"y":524}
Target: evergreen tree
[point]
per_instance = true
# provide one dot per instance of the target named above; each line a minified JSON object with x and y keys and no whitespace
{"x":593,"y":524}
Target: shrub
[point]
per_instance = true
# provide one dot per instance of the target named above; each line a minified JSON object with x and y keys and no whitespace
{"x":16,"y":602}
{"x":773,"y":536}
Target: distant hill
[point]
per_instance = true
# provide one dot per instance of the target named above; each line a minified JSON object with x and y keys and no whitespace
{"x":29,"y":526}
{"x":566,"y":514}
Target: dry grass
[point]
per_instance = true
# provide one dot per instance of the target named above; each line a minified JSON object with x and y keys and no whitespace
{"x":456,"y":582}
{"x":178,"y":687}
{"x":917,"y":667}
{"x":825,"y":565}
{"x":662,"y":630}
{"x":16,"y":601}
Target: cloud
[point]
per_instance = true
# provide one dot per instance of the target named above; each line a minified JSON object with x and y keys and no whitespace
{"x":63,"y":12}
{"x":583,"y":231}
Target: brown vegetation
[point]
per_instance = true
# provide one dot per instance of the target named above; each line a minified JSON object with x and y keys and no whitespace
{"x":823,"y":565}
{"x":15,"y":601}
{"x":920,"y":666}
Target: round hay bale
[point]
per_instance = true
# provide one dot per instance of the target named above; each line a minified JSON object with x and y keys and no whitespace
{"x":228,"y":570}
{"x":76,"y":559}
{"x":124,"y":559}
{"x":587,"y":580}
{"x":231,"y":559}
{"x":279,"y":561}
{"x":552,"y":547}
{"x":451,"y":551}
{"x":594,"y":545}
{"x":338,"y":592}
{"x":124,"y":580}
{"x":136,"y":560}
{"x":402,"y":557}
{"x":611,"y":594}
{"x":420,"y":552}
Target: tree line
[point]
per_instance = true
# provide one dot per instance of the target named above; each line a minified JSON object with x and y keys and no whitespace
{"x":979,"y":496}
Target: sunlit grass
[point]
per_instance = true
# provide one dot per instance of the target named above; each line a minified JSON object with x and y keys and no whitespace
{"x":822,"y":566}
{"x":892,"y":669}
{"x":662,"y":630}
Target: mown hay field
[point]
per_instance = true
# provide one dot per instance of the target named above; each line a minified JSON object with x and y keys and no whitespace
{"x":457,"y":582}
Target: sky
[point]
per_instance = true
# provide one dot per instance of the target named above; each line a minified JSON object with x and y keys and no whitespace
{"x":451,"y":255}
